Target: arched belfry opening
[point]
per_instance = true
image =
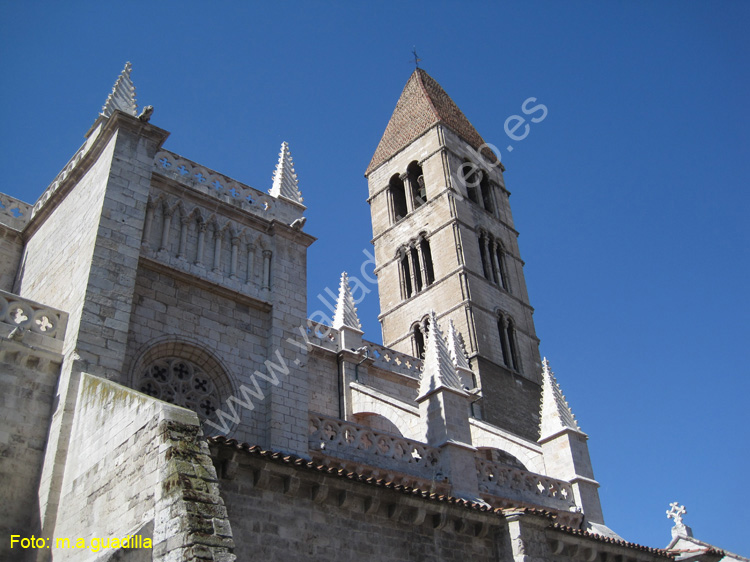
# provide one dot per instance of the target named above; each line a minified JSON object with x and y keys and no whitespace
{"x":415,"y":178}
{"x":397,"y":192}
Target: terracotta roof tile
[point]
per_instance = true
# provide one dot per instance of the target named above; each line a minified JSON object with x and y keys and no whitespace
{"x":423,"y":104}
{"x":304,"y":464}
{"x":579,"y":533}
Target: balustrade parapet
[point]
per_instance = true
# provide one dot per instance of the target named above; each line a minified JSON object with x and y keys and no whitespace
{"x":353,"y":442}
{"x":14,"y":212}
{"x":25,"y":314}
{"x":321,"y":335}
{"x":395,"y":361}
{"x":505,"y":481}
{"x":217,"y":185}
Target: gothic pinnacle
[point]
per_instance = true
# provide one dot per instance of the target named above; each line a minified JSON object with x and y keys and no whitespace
{"x":456,"y":347}
{"x":556,"y":414}
{"x":438,"y":369}
{"x":346,"y":313}
{"x":285,"y":182}
{"x":122,"y":96}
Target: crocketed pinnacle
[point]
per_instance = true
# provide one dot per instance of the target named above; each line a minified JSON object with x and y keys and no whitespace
{"x":456,"y":348}
{"x":346,"y":313}
{"x":284,"y":178}
{"x":423,"y":104}
{"x":438,"y":370}
{"x":122,"y":96}
{"x":556,"y":414}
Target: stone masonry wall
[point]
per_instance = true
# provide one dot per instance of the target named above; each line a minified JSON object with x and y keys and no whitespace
{"x":28,"y":379}
{"x":138,"y":466}
{"x":511,"y":402}
{"x":11,"y":248}
{"x":59,"y":278}
{"x":270,"y":524}
{"x":168,"y":307}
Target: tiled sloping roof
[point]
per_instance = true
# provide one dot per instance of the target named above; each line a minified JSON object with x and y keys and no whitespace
{"x":422,"y":104}
{"x":341,"y":473}
{"x":579,"y":533}
{"x":304,"y":464}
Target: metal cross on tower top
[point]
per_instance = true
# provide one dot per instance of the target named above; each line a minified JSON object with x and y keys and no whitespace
{"x":417,"y":60}
{"x":676,"y":512}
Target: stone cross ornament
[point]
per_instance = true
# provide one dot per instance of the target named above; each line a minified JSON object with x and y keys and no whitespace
{"x":676,"y":512}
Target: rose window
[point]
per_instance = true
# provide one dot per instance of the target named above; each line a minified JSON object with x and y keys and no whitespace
{"x":181,"y":383}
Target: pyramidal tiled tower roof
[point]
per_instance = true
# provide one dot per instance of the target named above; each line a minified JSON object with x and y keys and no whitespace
{"x":122,"y":96}
{"x":346,"y":313}
{"x":438,"y":369}
{"x":556,"y":415}
{"x":422,"y":104}
{"x":285,"y":182}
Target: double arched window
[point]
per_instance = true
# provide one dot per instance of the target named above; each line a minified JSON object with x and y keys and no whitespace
{"x":415,"y":266}
{"x":477,"y":185}
{"x":407,"y":191}
{"x":506,"y":328}
{"x":493,"y":260}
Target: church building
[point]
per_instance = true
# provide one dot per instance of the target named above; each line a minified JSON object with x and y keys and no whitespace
{"x":166,"y":397}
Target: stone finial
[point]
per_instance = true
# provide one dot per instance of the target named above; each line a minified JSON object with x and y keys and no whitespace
{"x":285,"y":182}
{"x":346,"y":313}
{"x":676,"y":512}
{"x":122,"y":96}
{"x":556,"y":414}
{"x":438,"y":369}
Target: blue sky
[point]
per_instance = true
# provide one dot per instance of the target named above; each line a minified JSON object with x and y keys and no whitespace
{"x":631,"y":197}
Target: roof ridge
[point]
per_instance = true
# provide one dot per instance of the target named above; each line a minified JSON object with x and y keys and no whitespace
{"x":419,"y":73}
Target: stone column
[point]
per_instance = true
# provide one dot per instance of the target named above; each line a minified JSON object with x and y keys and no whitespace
{"x":218,"y":236}
{"x":413,"y":269}
{"x":422,"y":263}
{"x":202,"y":226}
{"x":250,"y":262}
{"x":233,"y":262}
{"x":485,"y":252}
{"x":495,"y":265}
{"x":148,"y":221}
{"x":506,"y":344}
{"x":267,"y":269}
{"x":166,"y":225}
{"x":184,"y":221}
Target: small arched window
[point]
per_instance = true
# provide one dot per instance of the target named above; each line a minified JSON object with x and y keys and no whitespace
{"x":483,"y":253}
{"x":468,"y":176}
{"x":429,"y":273}
{"x":416,"y":184}
{"x":417,"y":269}
{"x":405,"y":275}
{"x":419,"y":335}
{"x":484,"y":187}
{"x":508,"y":346}
{"x":398,"y":198}
{"x":512,"y":346}
{"x":502,"y":271}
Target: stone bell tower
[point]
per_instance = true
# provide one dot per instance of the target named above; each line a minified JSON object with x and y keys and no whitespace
{"x":444,"y":240}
